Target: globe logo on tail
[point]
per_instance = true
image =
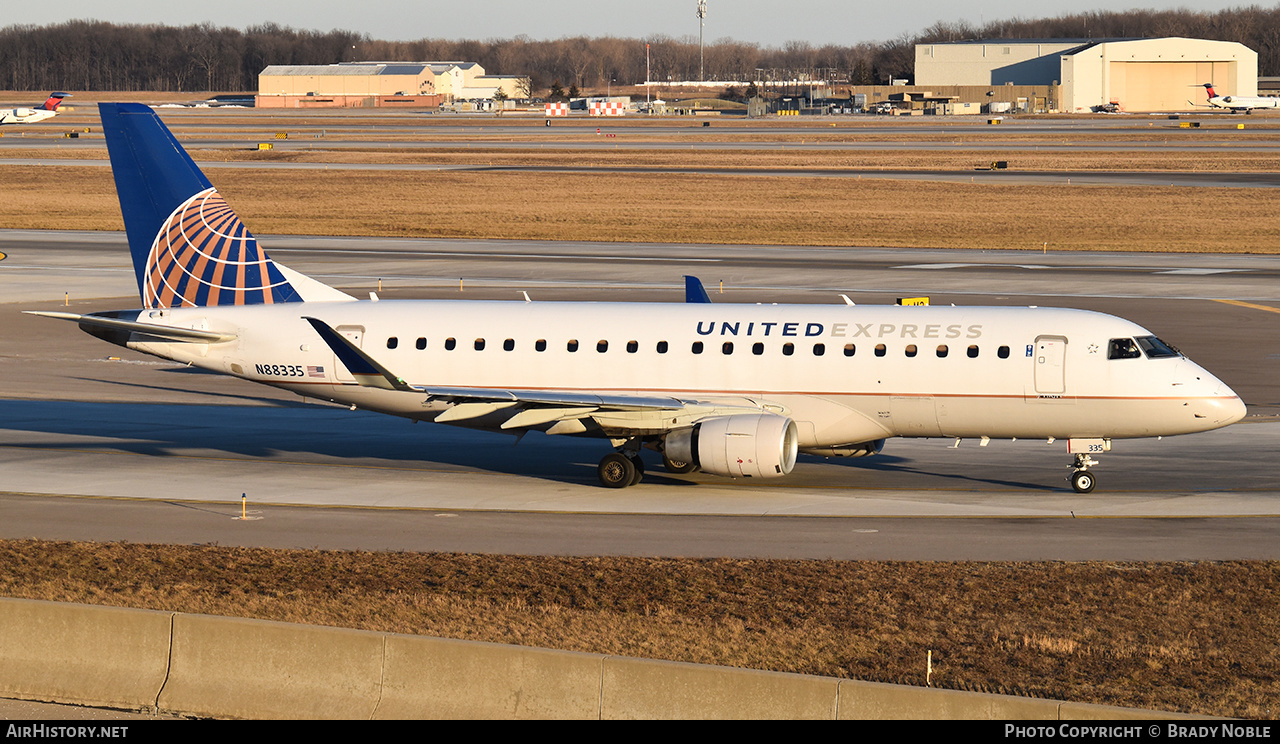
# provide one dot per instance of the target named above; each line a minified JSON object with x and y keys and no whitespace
{"x":204,"y":255}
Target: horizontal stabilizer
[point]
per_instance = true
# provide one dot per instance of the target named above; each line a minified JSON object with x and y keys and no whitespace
{"x":169,"y":333}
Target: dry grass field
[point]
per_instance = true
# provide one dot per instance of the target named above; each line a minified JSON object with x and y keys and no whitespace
{"x":684,"y":209}
{"x":1191,"y":637}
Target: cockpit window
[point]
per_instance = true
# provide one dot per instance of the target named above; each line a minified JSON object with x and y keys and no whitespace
{"x":1154,"y":348}
{"x":1123,"y":348}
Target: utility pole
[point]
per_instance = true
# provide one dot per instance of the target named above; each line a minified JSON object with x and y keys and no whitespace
{"x":702,"y":21}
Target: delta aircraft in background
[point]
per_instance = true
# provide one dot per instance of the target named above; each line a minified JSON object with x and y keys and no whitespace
{"x":47,"y":110}
{"x":734,"y":390}
{"x":1237,"y":103}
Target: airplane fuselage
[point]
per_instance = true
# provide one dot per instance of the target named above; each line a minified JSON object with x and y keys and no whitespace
{"x":25,"y":115}
{"x":845,"y":374}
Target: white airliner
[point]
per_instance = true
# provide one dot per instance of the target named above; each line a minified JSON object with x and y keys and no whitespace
{"x":734,"y":390}
{"x":47,"y":110}
{"x":1237,"y":103}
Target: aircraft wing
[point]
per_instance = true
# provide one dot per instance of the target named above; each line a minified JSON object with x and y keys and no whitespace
{"x":527,"y":408}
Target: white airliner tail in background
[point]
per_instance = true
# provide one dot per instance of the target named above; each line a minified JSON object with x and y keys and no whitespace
{"x":733,"y":390}
{"x":47,"y":110}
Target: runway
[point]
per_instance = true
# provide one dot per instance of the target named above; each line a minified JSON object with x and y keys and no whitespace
{"x":1208,"y":179}
{"x":145,"y":450}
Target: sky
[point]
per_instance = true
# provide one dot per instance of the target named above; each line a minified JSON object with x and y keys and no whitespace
{"x":770,"y":23}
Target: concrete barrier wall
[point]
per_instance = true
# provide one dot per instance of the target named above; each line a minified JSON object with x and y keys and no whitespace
{"x":69,"y":653}
{"x":235,"y":668}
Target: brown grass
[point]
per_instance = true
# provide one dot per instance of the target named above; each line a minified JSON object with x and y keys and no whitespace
{"x":833,"y":160}
{"x":684,"y":208}
{"x":1191,"y":637}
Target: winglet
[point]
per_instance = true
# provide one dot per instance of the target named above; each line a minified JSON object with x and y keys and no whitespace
{"x":361,"y":366}
{"x":694,"y":291}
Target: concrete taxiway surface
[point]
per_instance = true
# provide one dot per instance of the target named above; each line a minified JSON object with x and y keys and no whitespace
{"x":145,"y":450}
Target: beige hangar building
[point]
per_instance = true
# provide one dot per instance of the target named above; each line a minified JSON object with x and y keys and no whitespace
{"x":1135,"y":74}
{"x":375,"y":84}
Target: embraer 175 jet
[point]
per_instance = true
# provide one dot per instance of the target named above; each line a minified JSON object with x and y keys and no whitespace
{"x":734,"y":390}
{"x":47,"y":110}
{"x":1237,"y":103}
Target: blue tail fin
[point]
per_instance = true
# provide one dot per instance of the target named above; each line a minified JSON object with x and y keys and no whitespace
{"x":189,"y":248}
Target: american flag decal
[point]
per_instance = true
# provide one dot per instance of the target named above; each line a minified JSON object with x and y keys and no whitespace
{"x":315,"y":371}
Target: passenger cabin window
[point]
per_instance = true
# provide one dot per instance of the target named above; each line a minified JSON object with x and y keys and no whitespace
{"x":972,"y":351}
{"x":911,"y":350}
{"x":757,"y":348}
{"x":697,"y":347}
{"x":788,"y":349}
{"x":450,"y":344}
{"x":509,"y":345}
{"x":1003,"y":352}
{"x":849,"y":349}
{"x":540,"y":344}
{"x":602,"y":346}
{"x":393,"y":342}
{"x":942,"y":351}
{"x":1123,"y":348}
{"x":572,"y":345}
{"x":726,"y":348}
{"x":479,"y":344}
{"x":632,"y":347}
{"x":819,"y":349}
{"x":662,"y":347}
{"x":421,"y":344}
{"x":880,"y":350}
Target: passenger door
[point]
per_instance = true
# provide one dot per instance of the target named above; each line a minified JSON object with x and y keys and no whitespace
{"x":1050,"y":361}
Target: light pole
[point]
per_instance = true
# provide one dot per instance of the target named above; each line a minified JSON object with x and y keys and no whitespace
{"x":702,"y":21}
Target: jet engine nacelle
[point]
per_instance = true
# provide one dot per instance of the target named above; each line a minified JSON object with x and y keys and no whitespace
{"x":747,"y":445}
{"x":861,"y":449}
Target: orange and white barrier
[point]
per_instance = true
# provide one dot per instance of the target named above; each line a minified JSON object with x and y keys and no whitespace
{"x":608,"y":108}
{"x":557,"y":109}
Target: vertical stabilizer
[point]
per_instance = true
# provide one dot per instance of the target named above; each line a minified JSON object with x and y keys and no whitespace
{"x":189,"y":248}
{"x":54,"y":100}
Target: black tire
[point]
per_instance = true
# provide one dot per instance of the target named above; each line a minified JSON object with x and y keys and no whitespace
{"x":616,"y":471}
{"x":1083,"y":481}
{"x":679,"y":468}
{"x":639,"y":465}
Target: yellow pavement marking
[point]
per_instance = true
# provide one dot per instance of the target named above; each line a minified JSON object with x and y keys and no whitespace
{"x":1250,"y":305}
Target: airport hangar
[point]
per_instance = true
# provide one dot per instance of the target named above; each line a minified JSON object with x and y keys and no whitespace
{"x":1135,"y":74}
{"x":378,"y":84}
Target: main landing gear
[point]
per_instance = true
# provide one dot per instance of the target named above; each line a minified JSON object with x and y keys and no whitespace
{"x":625,"y":468}
{"x":620,"y":469}
{"x":1082,"y":480}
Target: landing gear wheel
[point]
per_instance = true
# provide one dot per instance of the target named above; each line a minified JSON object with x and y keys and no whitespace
{"x":677,"y":467}
{"x":639,"y":466}
{"x":616,"y":471}
{"x":1083,"y":481}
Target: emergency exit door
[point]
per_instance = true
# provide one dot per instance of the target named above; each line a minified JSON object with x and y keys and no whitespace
{"x":356,"y":335}
{"x":1051,"y":370}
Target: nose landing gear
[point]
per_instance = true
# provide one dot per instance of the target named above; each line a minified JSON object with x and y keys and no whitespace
{"x":1083,"y":481}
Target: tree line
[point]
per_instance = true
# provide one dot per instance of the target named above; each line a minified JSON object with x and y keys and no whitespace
{"x":95,"y":55}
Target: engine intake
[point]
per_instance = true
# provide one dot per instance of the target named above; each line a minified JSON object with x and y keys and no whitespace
{"x":748,"y":445}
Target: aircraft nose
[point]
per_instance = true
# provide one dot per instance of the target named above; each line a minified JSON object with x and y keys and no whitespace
{"x":1223,"y":407}
{"x":1229,"y":408}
